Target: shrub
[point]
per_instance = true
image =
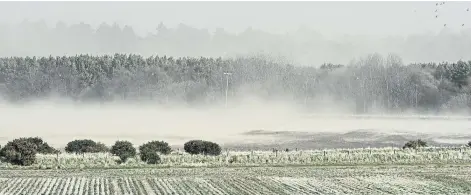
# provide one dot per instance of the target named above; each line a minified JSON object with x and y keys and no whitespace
{"x":123,"y":149}
{"x":85,"y":146}
{"x":193,"y":146}
{"x":100,"y":147}
{"x":212,"y":148}
{"x":156,"y":146}
{"x":415,"y":144}
{"x":42,"y":147}
{"x":152,"y":158}
{"x":20,"y":152}
{"x":202,"y":147}
{"x":148,"y":151}
{"x":469,"y":144}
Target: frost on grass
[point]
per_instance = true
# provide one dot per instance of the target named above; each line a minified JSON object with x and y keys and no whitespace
{"x":364,"y":156}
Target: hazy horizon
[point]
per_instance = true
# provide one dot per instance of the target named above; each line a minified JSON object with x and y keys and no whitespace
{"x":378,"y":19}
{"x":305,"y":33}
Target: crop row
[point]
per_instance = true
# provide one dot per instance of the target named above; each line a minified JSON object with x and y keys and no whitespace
{"x":377,"y":184}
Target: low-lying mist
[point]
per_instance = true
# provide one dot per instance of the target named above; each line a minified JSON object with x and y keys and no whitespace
{"x":59,"y":121}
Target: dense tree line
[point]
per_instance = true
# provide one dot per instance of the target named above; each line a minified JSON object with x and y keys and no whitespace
{"x":373,"y":82}
{"x":306,"y":46}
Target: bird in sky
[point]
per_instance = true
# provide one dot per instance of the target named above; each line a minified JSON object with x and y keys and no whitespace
{"x":444,"y":25}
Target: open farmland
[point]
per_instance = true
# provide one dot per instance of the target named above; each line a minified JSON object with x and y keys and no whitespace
{"x":248,"y":180}
{"x":327,"y":155}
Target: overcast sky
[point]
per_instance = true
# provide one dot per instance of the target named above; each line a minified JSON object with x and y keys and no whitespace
{"x":329,"y":18}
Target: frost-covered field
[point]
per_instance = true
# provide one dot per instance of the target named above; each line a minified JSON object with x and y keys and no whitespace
{"x":254,"y":180}
{"x":332,"y":157}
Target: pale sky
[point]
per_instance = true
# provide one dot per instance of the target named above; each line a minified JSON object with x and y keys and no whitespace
{"x":328,"y":18}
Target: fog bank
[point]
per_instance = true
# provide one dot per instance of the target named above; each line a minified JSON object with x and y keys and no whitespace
{"x":58,"y":123}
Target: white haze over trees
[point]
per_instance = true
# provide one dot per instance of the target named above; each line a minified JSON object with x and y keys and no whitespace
{"x":306,"y":33}
{"x":301,"y":47}
{"x":76,"y":69}
{"x":372,"y":84}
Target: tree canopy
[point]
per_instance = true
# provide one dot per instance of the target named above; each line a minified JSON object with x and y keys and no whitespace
{"x":371,"y":82}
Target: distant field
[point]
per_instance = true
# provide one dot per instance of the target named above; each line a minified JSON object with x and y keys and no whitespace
{"x":60,"y":124}
{"x":254,"y":180}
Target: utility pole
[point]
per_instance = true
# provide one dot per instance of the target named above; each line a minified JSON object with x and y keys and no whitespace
{"x":306,"y":92}
{"x":227,"y":84}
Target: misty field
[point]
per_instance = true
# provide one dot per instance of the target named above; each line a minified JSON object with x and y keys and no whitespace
{"x":247,"y":180}
{"x":327,"y":154}
{"x":282,"y":125}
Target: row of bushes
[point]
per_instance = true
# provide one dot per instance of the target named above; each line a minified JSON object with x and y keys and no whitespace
{"x":23,"y":151}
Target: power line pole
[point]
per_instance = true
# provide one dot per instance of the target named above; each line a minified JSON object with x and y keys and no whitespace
{"x":227,"y":84}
